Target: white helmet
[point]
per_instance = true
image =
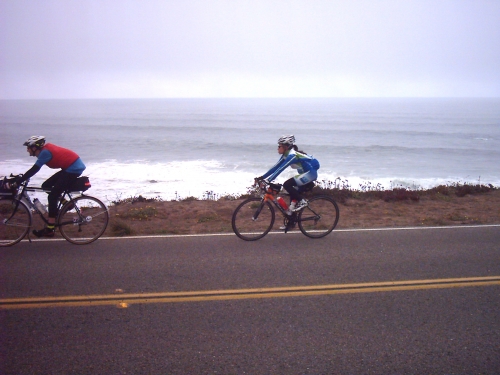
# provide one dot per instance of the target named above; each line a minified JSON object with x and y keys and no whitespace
{"x":287,"y":140}
{"x":35,"y":140}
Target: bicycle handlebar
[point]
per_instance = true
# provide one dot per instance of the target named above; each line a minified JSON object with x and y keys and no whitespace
{"x":10,"y":183}
{"x":267,"y":187}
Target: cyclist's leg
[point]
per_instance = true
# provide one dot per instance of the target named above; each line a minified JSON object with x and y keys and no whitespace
{"x":57,"y":184}
{"x":295,"y":185}
{"x":49,"y":229}
{"x":290,"y":186}
{"x":63,"y":182}
{"x":51,"y":181}
{"x":306,"y":179}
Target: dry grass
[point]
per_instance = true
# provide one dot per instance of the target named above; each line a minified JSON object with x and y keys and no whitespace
{"x":439,"y":207}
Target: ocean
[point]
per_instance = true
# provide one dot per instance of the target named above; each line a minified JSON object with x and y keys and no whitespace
{"x":179,"y":148}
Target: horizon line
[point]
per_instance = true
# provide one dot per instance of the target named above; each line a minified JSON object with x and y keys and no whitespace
{"x":254,"y":97}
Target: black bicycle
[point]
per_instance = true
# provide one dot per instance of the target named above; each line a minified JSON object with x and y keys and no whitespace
{"x":82,"y":219}
{"x":254,"y":218}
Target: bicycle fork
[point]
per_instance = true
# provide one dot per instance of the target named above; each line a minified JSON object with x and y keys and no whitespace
{"x":258,"y":210}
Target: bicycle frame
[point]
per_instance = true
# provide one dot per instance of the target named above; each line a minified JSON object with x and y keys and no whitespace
{"x":81,"y":218}
{"x":268,"y":194}
{"x":255,"y":216}
{"x":31,"y":205}
{"x":23,"y":196}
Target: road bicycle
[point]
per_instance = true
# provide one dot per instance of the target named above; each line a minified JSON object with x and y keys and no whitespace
{"x":81,"y":218}
{"x":254,"y":218}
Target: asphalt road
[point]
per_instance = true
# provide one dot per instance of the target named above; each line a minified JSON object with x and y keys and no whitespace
{"x":409,"y":301}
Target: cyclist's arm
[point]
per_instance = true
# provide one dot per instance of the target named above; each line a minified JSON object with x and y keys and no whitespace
{"x":285,"y":163}
{"x":272,"y":170}
{"x":43,"y":158}
{"x":30,"y":173}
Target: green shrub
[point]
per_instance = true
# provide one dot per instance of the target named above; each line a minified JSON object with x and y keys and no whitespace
{"x":120,"y":229}
{"x":143,"y":213}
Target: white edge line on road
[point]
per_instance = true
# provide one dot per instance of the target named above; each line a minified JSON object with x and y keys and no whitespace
{"x":277,"y":232}
{"x":298,"y":232}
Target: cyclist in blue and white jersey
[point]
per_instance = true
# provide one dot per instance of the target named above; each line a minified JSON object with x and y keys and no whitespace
{"x":306,"y":165}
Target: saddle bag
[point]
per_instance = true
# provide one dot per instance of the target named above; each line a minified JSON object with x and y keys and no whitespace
{"x":81,"y":184}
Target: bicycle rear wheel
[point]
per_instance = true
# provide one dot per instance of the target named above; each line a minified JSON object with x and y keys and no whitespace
{"x":83,"y":220}
{"x":13,"y":228}
{"x":253,"y":219}
{"x":319,"y":217}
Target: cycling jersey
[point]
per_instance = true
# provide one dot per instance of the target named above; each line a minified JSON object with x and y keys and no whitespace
{"x":58,"y":157}
{"x":295,"y":159}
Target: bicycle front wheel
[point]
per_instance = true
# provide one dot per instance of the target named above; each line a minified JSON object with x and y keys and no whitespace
{"x":319,"y":217}
{"x":83,"y":220}
{"x":253,"y":219}
{"x":14,"y":223}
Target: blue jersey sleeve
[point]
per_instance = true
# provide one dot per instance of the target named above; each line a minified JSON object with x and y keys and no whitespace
{"x":302,"y":162}
{"x":43,"y":158}
{"x":273,"y":169}
{"x":280,"y":166}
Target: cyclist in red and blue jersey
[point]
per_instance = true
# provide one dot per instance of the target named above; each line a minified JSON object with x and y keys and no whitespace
{"x":307,"y":167}
{"x":54,"y":157}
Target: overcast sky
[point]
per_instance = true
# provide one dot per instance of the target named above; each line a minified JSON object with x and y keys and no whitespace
{"x":236,"y":48}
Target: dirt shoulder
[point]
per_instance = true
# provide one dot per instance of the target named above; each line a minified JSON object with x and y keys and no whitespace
{"x":202,"y":216}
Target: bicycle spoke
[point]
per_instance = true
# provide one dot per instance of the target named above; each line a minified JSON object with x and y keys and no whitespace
{"x":253,"y":219}
{"x":13,"y":225}
{"x":84,"y":220}
{"x":319,"y":218}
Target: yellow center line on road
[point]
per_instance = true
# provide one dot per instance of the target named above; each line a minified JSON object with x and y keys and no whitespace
{"x":124,"y":300}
